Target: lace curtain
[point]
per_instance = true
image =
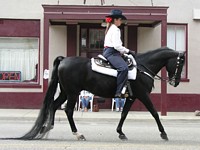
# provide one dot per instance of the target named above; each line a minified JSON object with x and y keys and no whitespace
{"x":23,"y":58}
{"x":176,"y":39}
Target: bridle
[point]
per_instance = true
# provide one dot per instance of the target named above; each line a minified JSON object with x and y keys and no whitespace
{"x":179,"y":63}
{"x":154,"y":76}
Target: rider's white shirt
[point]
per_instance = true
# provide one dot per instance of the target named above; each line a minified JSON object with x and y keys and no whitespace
{"x":113,"y":39}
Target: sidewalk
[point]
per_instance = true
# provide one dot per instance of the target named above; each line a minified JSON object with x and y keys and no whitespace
{"x":31,"y":115}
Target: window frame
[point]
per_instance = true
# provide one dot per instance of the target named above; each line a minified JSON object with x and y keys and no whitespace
{"x":184,"y":79}
{"x":25,"y":28}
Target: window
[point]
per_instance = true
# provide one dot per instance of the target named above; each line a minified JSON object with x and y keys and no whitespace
{"x":177,"y":40}
{"x":83,"y":38}
{"x":96,"y":39}
{"x":19,"y":52}
{"x":18,"y":59}
{"x":92,"y":39}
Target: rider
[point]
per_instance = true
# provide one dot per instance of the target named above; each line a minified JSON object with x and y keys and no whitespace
{"x":113,"y":48}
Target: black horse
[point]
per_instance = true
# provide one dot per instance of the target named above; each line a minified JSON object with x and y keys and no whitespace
{"x":75,"y":74}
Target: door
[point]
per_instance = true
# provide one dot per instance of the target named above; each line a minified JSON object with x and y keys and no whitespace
{"x":92,"y":39}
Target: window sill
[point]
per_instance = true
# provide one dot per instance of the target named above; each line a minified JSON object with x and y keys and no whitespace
{"x":20,"y":85}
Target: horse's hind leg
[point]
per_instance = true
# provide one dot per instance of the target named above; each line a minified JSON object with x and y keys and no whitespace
{"x":57,"y":103}
{"x":70,"y":111}
{"x":148,"y":104}
{"x":124,"y":114}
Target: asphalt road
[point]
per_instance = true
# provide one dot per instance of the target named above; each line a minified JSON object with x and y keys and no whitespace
{"x":101,"y":135}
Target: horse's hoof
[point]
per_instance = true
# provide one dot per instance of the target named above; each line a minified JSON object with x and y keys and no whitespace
{"x":81,"y":138}
{"x":164,"y":136}
{"x":123,"y":137}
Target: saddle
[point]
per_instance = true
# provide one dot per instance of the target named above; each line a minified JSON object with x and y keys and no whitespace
{"x":103,"y":62}
{"x":100,"y":64}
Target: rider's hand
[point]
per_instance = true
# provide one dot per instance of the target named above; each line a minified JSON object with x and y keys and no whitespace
{"x":132,"y":53}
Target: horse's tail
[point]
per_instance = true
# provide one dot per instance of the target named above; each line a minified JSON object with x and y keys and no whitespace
{"x":44,"y":119}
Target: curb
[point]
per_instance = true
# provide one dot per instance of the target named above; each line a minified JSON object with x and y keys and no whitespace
{"x":32,"y":114}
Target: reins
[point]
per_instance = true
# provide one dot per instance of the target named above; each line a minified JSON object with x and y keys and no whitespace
{"x":153,"y":75}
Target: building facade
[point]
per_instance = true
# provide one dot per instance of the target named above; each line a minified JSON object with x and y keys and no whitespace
{"x":34,"y":33}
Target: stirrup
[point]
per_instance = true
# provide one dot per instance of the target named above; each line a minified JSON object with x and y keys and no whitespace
{"x":127,"y":91}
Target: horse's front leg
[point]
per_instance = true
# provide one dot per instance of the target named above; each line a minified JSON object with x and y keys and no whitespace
{"x":148,"y":104}
{"x":124,"y":114}
{"x":69,"y":112}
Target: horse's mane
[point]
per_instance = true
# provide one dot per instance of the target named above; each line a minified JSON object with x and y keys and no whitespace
{"x":151,"y":52}
{"x":141,"y":57}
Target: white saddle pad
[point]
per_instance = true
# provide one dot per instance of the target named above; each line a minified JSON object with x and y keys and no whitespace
{"x":112,"y":72}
